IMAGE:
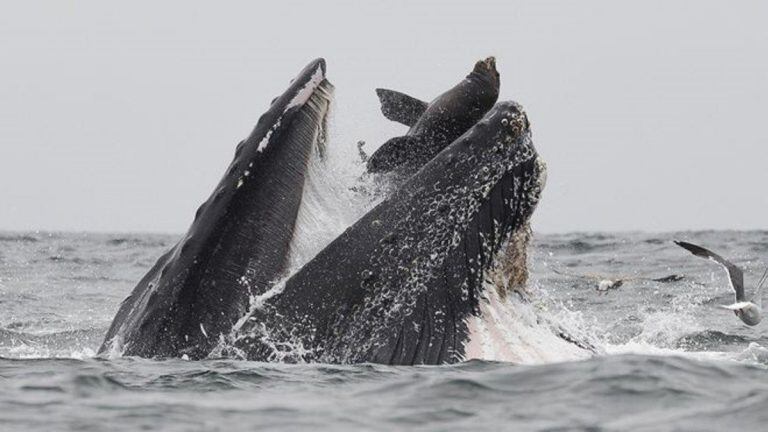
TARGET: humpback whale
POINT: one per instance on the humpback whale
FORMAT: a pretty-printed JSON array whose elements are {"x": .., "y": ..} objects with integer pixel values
[
  {"x": 401, "y": 285},
  {"x": 239, "y": 240},
  {"x": 436, "y": 124}
]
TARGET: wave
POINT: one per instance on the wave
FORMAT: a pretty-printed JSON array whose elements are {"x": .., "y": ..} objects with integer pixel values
[
  {"x": 709, "y": 340},
  {"x": 149, "y": 241},
  {"x": 77, "y": 343},
  {"x": 621, "y": 392},
  {"x": 19, "y": 238}
]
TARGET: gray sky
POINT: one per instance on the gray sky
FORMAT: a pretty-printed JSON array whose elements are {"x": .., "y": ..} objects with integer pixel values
[{"x": 123, "y": 116}]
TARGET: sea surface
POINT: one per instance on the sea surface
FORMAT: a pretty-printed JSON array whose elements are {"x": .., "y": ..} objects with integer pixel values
[{"x": 667, "y": 357}]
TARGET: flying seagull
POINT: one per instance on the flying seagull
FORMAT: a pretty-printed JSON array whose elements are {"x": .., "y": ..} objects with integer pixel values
[
  {"x": 749, "y": 311},
  {"x": 604, "y": 284}
]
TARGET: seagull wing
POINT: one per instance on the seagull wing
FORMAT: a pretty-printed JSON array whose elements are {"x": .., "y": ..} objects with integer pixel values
[
  {"x": 758, "y": 298},
  {"x": 736, "y": 306},
  {"x": 734, "y": 273}
]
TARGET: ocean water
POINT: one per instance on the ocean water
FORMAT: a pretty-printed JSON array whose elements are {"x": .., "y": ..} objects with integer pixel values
[{"x": 667, "y": 358}]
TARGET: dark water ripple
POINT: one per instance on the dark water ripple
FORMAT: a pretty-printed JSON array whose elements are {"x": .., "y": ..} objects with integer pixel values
[{"x": 627, "y": 392}]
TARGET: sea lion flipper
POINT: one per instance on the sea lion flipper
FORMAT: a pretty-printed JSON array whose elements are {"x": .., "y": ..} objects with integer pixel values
[
  {"x": 394, "y": 153},
  {"x": 400, "y": 107}
]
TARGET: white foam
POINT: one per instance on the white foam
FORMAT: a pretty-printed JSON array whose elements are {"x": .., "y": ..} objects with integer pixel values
[
  {"x": 664, "y": 328},
  {"x": 256, "y": 302},
  {"x": 754, "y": 353},
  {"x": 512, "y": 330},
  {"x": 32, "y": 351},
  {"x": 116, "y": 347}
]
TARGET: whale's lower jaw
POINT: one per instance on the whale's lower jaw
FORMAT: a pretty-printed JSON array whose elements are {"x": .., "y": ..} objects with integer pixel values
[{"x": 239, "y": 240}]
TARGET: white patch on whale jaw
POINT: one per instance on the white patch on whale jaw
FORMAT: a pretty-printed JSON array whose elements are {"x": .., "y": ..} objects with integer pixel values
[
  {"x": 511, "y": 329},
  {"x": 265, "y": 141},
  {"x": 308, "y": 90}
]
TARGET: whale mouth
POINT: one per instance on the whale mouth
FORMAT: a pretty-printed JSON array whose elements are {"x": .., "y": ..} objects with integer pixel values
[
  {"x": 317, "y": 108},
  {"x": 295, "y": 142},
  {"x": 499, "y": 231},
  {"x": 506, "y": 184},
  {"x": 398, "y": 285},
  {"x": 475, "y": 227}
]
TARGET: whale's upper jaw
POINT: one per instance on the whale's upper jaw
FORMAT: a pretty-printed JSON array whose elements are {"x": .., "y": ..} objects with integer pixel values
[{"x": 506, "y": 181}]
